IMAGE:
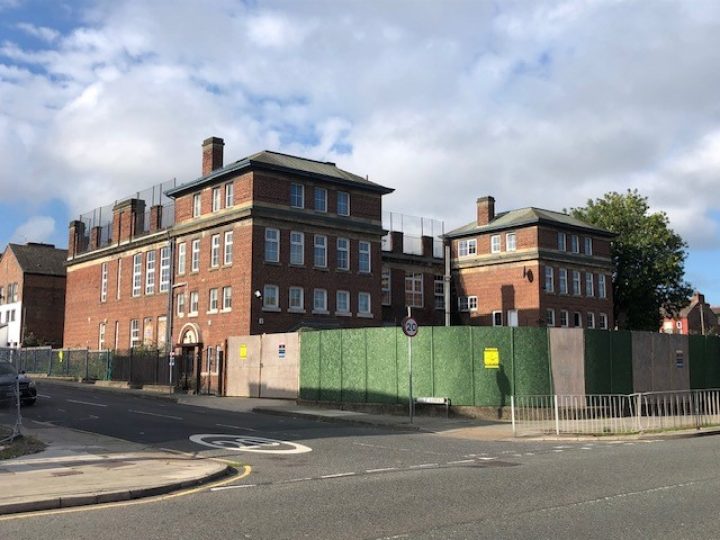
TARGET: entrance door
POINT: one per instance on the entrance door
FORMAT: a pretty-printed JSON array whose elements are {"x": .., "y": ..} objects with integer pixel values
[{"x": 189, "y": 369}]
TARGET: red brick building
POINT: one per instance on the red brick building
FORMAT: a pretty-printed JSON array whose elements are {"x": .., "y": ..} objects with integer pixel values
[
  {"x": 697, "y": 318},
  {"x": 269, "y": 243},
  {"x": 530, "y": 267},
  {"x": 32, "y": 294}
]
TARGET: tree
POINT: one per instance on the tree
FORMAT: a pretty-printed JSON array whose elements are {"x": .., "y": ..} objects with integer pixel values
[{"x": 648, "y": 258}]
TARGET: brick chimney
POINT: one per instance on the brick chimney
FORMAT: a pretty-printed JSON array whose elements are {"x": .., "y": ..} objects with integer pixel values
[
  {"x": 485, "y": 210},
  {"x": 212, "y": 157}
]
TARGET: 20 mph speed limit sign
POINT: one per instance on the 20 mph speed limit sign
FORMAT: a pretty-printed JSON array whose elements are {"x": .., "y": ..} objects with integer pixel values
[{"x": 410, "y": 327}]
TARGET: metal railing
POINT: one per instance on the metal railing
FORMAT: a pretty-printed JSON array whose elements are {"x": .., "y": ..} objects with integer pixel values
[{"x": 615, "y": 414}]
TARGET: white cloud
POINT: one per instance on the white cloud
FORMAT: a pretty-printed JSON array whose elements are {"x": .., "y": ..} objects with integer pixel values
[
  {"x": 41, "y": 32},
  {"x": 36, "y": 229}
]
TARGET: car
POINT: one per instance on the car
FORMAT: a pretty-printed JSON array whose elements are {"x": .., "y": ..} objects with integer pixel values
[{"x": 9, "y": 379}]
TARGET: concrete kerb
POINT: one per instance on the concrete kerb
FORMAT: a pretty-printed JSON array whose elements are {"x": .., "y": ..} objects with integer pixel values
[
  {"x": 122, "y": 388},
  {"x": 307, "y": 415}
]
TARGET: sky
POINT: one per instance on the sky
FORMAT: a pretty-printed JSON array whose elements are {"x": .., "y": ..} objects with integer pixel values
[{"x": 537, "y": 103}]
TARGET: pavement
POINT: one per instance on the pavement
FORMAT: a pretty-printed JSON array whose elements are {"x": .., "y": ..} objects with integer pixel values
[{"x": 81, "y": 468}]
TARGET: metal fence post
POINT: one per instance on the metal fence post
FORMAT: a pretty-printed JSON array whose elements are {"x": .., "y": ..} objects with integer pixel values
[
  {"x": 512, "y": 414},
  {"x": 557, "y": 415},
  {"x": 639, "y": 412}
]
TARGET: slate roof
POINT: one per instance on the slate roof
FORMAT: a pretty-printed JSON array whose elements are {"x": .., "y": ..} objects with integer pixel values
[
  {"x": 284, "y": 163},
  {"x": 43, "y": 259},
  {"x": 527, "y": 216}
]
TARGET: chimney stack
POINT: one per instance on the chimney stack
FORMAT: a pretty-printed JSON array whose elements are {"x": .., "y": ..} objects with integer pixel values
[
  {"x": 212, "y": 158},
  {"x": 485, "y": 210}
]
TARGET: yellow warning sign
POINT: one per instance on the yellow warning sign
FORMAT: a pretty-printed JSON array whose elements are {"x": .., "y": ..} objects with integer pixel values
[
  {"x": 243, "y": 352},
  {"x": 491, "y": 358}
]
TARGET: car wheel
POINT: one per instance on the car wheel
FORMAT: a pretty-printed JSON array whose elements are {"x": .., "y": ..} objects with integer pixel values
[{"x": 29, "y": 402}]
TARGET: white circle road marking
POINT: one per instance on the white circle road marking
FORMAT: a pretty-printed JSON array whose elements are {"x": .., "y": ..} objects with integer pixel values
[{"x": 245, "y": 443}]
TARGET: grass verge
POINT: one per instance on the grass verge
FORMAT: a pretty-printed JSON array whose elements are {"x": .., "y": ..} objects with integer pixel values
[{"x": 20, "y": 446}]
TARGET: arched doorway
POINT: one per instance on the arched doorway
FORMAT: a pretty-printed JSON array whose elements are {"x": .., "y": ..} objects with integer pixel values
[{"x": 190, "y": 353}]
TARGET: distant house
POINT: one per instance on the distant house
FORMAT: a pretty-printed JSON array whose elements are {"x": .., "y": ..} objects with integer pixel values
[
  {"x": 695, "y": 318},
  {"x": 531, "y": 267},
  {"x": 32, "y": 294}
]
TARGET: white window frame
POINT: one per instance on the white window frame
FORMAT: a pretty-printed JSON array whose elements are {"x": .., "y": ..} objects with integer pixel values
[
  {"x": 216, "y": 199},
  {"x": 562, "y": 241},
  {"x": 603, "y": 325},
  {"x": 180, "y": 304},
  {"x": 346, "y": 296},
  {"x": 297, "y": 248},
  {"x": 577, "y": 319},
  {"x": 150, "y": 272},
  {"x": 272, "y": 245},
  {"x": 194, "y": 307},
  {"x": 340, "y": 196},
  {"x": 439, "y": 291},
  {"x": 550, "y": 317},
  {"x": 197, "y": 205},
  {"x": 574, "y": 243},
  {"x": 228, "y": 247},
  {"x": 294, "y": 195},
  {"x": 101, "y": 336},
  {"x": 495, "y": 243},
  {"x": 362, "y": 296},
  {"x": 602, "y": 286},
  {"x": 416, "y": 290},
  {"x": 215, "y": 251},
  {"x": 320, "y": 301},
  {"x": 342, "y": 255},
  {"x": 195, "y": 256},
  {"x": 164, "y": 269},
  {"x": 549, "y": 279},
  {"x": 229, "y": 195},
  {"x": 227, "y": 298},
  {"x": 320, "y": 199},
  {"x": 213, "y": 300},
  {"x": 386, "y": 286},
  {"x": 564, "y": 315},
  {"x": 271, "y": 298},
  {"x": 590, "y": 317},
  {"x": 467, "y": 303},
  {"x": 320, "y": 251},
  {"x": 589, "y": 284},
  {"x": 137, "y": 275},
  {"x": 467, "y": 248},
  {"x": 296, "y": 299},
  {"x": 364, "y": 257},
  {"x": 119, "y": 279},
  {"x": 134, "y": 332},
  {"x": 588, "y": 248},
  {"x": 563, "y": 281},
  {"x": 576, "y": 283},
  {"x": 510, "y": 242},
  {"x": 103, "y": 282},
  {"x": 495, "y": 315},
  {"x": 182, "y": 258}
]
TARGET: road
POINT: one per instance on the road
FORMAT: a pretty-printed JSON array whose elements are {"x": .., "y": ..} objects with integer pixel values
[{"x": 363, "y": 482}]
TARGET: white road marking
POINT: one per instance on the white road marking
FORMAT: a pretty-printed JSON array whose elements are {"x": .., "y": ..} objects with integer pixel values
[
  {"x": 155, "y": 414},
  {"x": 381, "y": 470},
  {"x": 461, "y": 461},
  {"x": 93, "y": 417},
  {"x": 86, "y": 403},
  {"x": 235, "y": 427},
  {"x": 423, "y": 466},
  {"x": 339, "y": 475},
  {"x": 300, "y": 479},
  {"x": 222, "y": 488},
  {"x": 44, "y": 395},
  {"x": 487, "y": 458},
  {"x": 248, "y": 443}
]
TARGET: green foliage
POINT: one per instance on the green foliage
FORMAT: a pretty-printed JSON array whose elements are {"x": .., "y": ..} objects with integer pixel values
[{"x": 648, "y": 257}]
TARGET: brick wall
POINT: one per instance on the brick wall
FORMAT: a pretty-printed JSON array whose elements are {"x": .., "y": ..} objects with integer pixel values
[{"x": 44, "y": 308}]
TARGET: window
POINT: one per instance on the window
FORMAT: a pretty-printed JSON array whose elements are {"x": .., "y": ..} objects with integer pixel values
[
  {"x": 576, "y": 282},
  {"x": 603, "y": 321},
  {"x": 512, "y": 317},
  {"x": 510, "y": 242},
  {"x": 563, "y": 317},
  {"x": 215, "y": 251},
  {"x": 439, "y": 289},
  {"x": 228, "y": 249},
  {"x": 602, "y": 291},
  {"x": 101, "y": 336},
  {"x": 467, "y": 303},
  {"x": 562, "y": 241},
  {"x": 195, "y": 256},
  {"x": 589, "y": 284},
  {"x": 297, "y": 195},
  {"x": 364, "y": 304},
  {"x": 297, "y": 248},
  {"x": 414, "y": 289},
  {"x": 342, "y": 302},
  {"x": 148, "y": 331},
  {"x": 103, "y": 282},
  {"x": 150, "y": 272},
  {"x": 467, "y": 248},
  {"x": 194, "y": 302},
  {"x": 197, "y": 201},
  {"x": 319, "y": 301},
  {"x": 497, "y": 318},
  {"x": 364, "y": 257},
  {"x": 590, "y": 320},
  {"x": 227, "y": 298},
  {"x": 229, "y": 195},
  {"x": 495, "y": 243},
  {"x": 562, "y": 281},
  {"x": 272, "y": 245},
  {"x": 182, "y": 256},
  {"x": 588, "y": 246},
  {"x": 296, "y": 302},
  {"x": 119, "y": 276},
  {"x": 2, "y": 295},
  {"x": 14, "y": 294},
  {"x": 180, "y": 303},
  {"x": 550, "y": 317},
  {"x": 165, "y": 269},
  {"x": 577, "y": 319},
  {"x": 343, "y": 203},
  {"x": 320, "y": 251},
  {"x": 134, "y": 332},
  {"x": 137, "y": 274},
  {"x": 216, "y": 199},
  {"x": 270, "y": 297},
  {"x": 385, "y": 285},
  {"x": 343, "y": 254},
  {"x": 320, "y": 199},
  {"x": 161, "y": 332},
  {"x": 213, "y": 301},
  {"x": 574, "y": 244},
  {"x": 549, "y": 279}
]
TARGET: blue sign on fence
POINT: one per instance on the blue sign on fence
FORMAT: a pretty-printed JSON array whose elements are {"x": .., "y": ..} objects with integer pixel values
[{"x": 281, "y": 350}]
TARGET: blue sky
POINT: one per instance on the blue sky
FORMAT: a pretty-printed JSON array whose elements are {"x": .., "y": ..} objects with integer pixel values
[{"x": 537, "y": 103}]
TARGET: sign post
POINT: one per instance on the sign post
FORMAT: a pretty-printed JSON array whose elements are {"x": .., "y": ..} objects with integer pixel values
[{"x": 410, "y": 329}]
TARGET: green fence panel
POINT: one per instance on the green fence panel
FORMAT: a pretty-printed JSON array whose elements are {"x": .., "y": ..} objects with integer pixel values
[
  {"x": 354, "y": 365},
  {"x": 330, "y": 365},
  {"x": 493, "y": 386},
  {"x": 422, "y": 358},
  {"x": 453, "y": 364},
  {"x": 310, "y": 366},
  {"x": 697, "y": 363},
  {"x": 532, "y": 362},
  {"x": 598, "y": 362},
  {"x": 622, "y": 364},
  {"x": 382, "y": 378},
  {"x": 712, "y": 361}
]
